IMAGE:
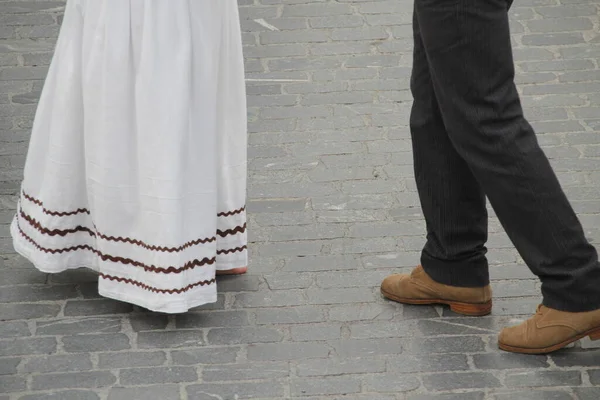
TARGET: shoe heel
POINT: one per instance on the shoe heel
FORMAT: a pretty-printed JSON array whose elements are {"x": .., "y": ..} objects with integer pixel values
[
  {"x": 474, "y": 310},
  {"x": 595, "y": 335}
]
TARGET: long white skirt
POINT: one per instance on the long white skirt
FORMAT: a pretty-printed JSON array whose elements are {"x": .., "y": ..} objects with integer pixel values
[{"x": 137, "y": 161}]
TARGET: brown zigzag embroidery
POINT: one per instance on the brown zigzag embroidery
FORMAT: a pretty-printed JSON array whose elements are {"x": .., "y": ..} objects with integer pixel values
[
  {"x": 236, "y": 230},
  {"x": 154, "y": 289},
  {"x": 229, "y": 251},
  {"x": 157, "y": 248},
  {"x": 55, "y": 213},
  {"x": 127, "y": 261},
  {"x": 65, "y": 232},
  {"x": 230, "y": 213},
  {"x": 55, "y": 232}
]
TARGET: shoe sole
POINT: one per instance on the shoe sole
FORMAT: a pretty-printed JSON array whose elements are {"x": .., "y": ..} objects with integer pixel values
[
  {"x": 594, "y": 334},
  {"x": 470, "y": 309}
]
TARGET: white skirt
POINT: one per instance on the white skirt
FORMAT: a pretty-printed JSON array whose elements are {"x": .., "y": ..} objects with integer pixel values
[{"x": 137, "y": 161}]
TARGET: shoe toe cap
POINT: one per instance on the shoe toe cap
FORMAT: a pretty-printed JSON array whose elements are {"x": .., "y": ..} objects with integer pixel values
[
  {"x": 514, "y": 336},
  {"x": 392, "y": 283}
]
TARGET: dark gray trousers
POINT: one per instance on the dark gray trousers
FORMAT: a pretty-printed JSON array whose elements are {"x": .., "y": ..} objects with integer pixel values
[{"x": 470, "y": 140}]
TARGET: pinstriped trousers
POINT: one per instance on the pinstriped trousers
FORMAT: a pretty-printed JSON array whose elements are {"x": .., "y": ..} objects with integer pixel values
[{"x": 471, "y": 141}]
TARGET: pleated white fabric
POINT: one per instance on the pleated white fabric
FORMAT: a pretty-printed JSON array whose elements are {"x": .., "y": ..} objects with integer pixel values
[{"x": 137, "y": 161}]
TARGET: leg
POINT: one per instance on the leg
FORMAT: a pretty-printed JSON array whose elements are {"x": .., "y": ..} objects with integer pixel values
[
  {"x": 469, "y": 51},
  {"x": 452, "y": 200}
]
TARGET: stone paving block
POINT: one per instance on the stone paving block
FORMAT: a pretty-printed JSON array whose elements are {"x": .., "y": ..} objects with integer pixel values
[
  {"x": 518, "y": 306},
  {"x": 8, "y": 366},
  {"x": 355, "y": 396},
  {"x": 382, "y": 329},
  {"x": 169, "y": 339},
  {"x": 245, "y": 283},
  {"x": 289, "y": 249},
  {"x": 229, "y": 336},
  {"x": 339, "y": 295},
  {"x": 148, "y": 322},
  {"x": 231, "y": 391},
  {"x": 534, "y": 395},
  {"x": 16, "y": 347},
  {"x": 310, "y": 332},
  {"x": 449, "y": 396},
  {"x": 559, "y": 24},
  {"x": 294, "y": 280},
  {"x": 212, "y": 355},
  {"x": 350, "y": 279},
  {"x": 28, "y": 311},
  {"x": 363, "y": 312},
  {"x": 57, "y": 363},
  {"x": 418, "y": 312},
  {"x": 34, "y": 60},
  {"x": 279, "y": 298},
  {"x": 396, "y": 383},
  {"x": 131, "y": 359},
  {"x": 321, "y": 263},
  {"x": 78, "y": 325},
  {"x": 504, "y": 289},
  {"x": 325, "y": 386},
  {"x": 211, "y": 319},
  {"x": 466, "y": 380},
  {"x": 520, "y": 272},
  {"x": 428, "y": 363},
  {"x": 162, "y": 392},
  {"x": 553, "y": 39},
  {"x": 11, "y": 383},
  {"x": 10, "y": 329},
  {"x": 92, "y": 379},
  {"x": 149, "y": 376},
  {"x": 339, "y": 367},
  {"x": 587, "y": 393},
  {"x": 287, "y": 219},
  {"x": 451, "y": 344},
  {"x": 21, "y": 276},
  {"x": 63, "y": 395},
  {"x": 577, "y": 358},
  {"x": 218, "y": 305},
  {"x": 287, "y": 351},
  {"x": 445, "y": 327},
  {"x": 351, "y": 348},
  {"x": 94, "y": 343},
  {"x": 290, "y": 315},
  {"x": 243, "y": 372},
  {"x": 509, "y": 361},
  {"x": 594, "y": 376},
  {"x": 543, "y": 378},
  {"x": 96, "y": 307}
]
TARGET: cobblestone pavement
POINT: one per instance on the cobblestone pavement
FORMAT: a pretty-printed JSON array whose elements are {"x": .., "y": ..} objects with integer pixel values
[{"x": 333, "y": 210}]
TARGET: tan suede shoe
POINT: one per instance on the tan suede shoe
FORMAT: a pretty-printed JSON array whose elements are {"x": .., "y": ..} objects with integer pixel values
[
  {"x": 550, "y": 330},
  {"x": 419, "y": 288}
]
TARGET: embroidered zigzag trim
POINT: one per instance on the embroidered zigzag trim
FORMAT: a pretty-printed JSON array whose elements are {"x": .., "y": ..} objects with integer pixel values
[
  {"x": 228, "y": 232},
  {"x": 157, "y": 248},
  {"x": 64, "y": 232},
  {"x": 55, "y": 213},
  {"x": 54, "y": 232},
  {"x": 230, "y": 251},
  {"x": 157, "y": 290},
  {"x": 230, "y": 213},
  {"x": 126, "y": 261}
]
